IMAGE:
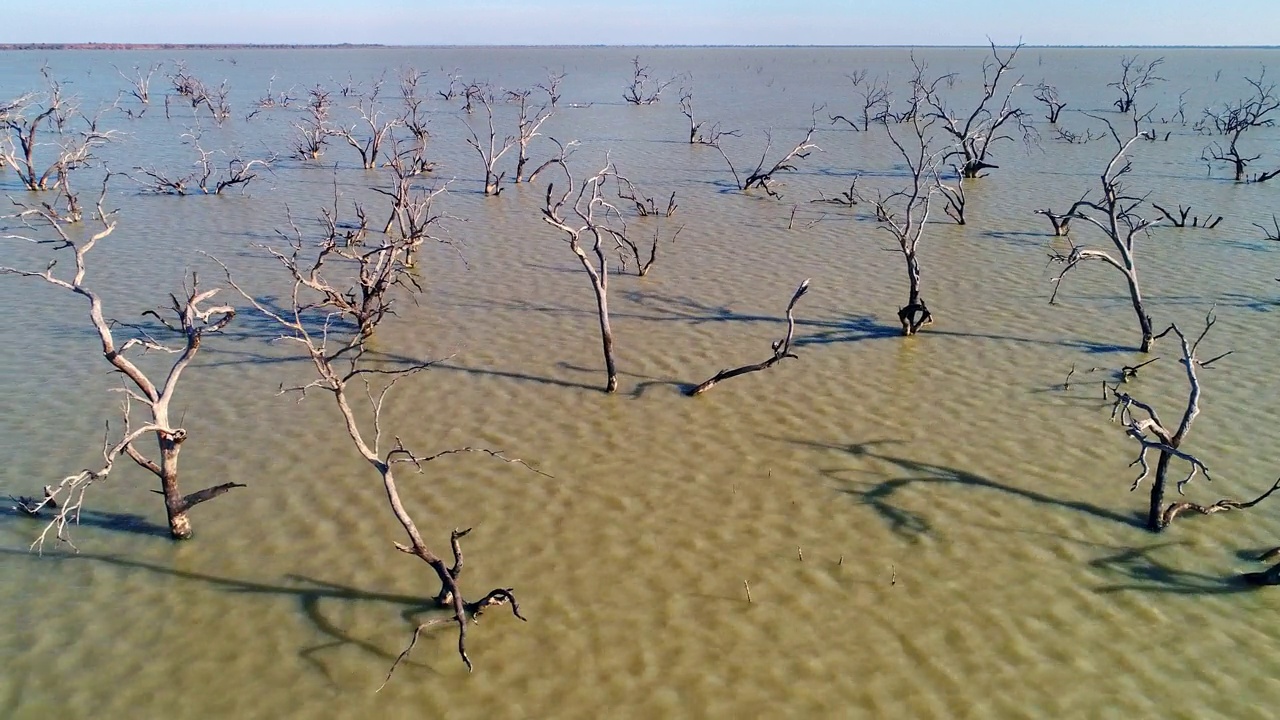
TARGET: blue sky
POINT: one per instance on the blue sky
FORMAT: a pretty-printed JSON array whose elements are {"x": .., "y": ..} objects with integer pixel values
[{"x": 647, "y": 22}]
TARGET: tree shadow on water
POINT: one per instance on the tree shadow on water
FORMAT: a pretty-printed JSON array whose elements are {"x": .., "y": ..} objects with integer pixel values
[
  {"x": 883, "y": 496},
  {"x": 101, "y": 519},
  {"x": 311, "y": 595},
  {"x": 1141, "y": 571}
]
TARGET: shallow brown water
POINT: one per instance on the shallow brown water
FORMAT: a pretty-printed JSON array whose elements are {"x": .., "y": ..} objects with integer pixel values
[{"x": 970, "y": 547}]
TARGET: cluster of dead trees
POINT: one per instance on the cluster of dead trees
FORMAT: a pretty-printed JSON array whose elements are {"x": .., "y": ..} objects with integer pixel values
[{"x": 346, "y": 277}]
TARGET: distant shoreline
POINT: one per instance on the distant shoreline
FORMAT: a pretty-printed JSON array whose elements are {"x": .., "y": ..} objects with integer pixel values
[
  {"x": 380, "y": 46},
  {"x": 182, "y": 46}
]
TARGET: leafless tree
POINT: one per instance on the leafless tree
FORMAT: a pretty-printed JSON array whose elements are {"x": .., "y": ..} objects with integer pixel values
[
  {"x": 1235, "y": 118},
  {"x": 491, "y": 149},
  {"x": 1116, "y": 215},
  {"x": 192, "y": 319},
  {"x": 646, "y": 207},
  {"x": 473, "y": 93},
  {"x": 1270, "y": 233},
  {"x": 781, "y": 349},
  {"x": 1180, "y": 220},
  {"x": 1134, "y": 76},
  {"x": 343, "y": 371},
  {"x": 1062, "y": 221},
  {"x": 644, "y": 204},
  {"x": 200, "y": 94},
  {"x": 644, "y": 89},
  {"x": 975, "y": 133},
  {"x": 847, "y": 198},
  {"x": 528, "y": 123},
  {"x": 29, "y": 118},
  {"x": 273, "y": 99},
  {"x": 1073, "y": 138},
  {"x": 140, "y": 81},
  {"x": 209, "y": 177},
  {"x": 413, "y": 213},
  {"x": 372, "y": 130},
  {"x": 904, "y": 213},
  {"x": 1142, "y": 423},
  {"x": 314, "y": 130},
  {"x": 589, "y": 222},
  {"x": 414, "y": 118},
  {"x": 762, "y": 177},
  {"x": 455, "y": 82},
  {"x": 876, "y": 99},
  {"x": 552, "y": 86},
  {"x": 954, "y": 196},
  {"x": 1048, "y": 94},
  {"x": 699, "y": 132}
]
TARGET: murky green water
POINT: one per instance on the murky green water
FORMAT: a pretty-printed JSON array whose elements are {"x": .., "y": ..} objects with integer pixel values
[{"x": 969, "y": 544}]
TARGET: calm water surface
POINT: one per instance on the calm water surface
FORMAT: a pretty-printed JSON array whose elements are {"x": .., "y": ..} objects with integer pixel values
[{"x": 970, "y": 547}]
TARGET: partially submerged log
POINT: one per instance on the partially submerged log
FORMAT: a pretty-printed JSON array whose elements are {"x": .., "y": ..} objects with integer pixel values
[{"x": 781, "y": 349}]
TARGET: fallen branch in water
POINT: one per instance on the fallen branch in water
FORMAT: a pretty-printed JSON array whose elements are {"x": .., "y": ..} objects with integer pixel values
[{"x": 781, "y": 349}]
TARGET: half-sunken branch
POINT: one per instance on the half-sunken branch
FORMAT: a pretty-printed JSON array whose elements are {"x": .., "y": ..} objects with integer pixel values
[{"x": 781, "y": 349}]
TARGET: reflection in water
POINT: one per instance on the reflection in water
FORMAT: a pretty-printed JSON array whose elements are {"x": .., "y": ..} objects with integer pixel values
[{"x": 930, "y": 527}]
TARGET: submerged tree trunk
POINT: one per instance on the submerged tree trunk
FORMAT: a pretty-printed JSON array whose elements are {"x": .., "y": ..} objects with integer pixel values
[
  {"x": 1144, "y": 320},
  {"x": 1155, "y": 512},
  {"x": 915, "y": 314},
  {"x": 175, "y": 504},
  {"x": 606, "y": 331}
]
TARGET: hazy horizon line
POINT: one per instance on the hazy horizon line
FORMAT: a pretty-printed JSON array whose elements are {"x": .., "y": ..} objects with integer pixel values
[{"x": 250, "y": 45}]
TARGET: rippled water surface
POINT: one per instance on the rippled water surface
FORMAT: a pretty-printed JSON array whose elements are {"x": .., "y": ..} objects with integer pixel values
[{"x": 930, "y": 527}]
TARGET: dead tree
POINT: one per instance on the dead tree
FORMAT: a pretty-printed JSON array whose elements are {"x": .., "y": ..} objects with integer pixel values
[
  {"x": 876, "y": 99},
  {"x": 139, "y": 82},
  {"x": 1062, "y": 221},
  {"x": 451, "y": 91},
  {"x": 1180, "y": 220},
  {"x": 187, "y": 85},
  {"x": 761, "y": 177},
  {"x": 208, "y": 177},
  {"x": 1270, "y": 233},
  {"x": 1134, "y": 77},
  {"x": 954, "y": 195},
  {"x": 413, "y": 214},
  {"x": 1116, "y": 215},
  {"x": 413, "y": 117},
  {"x": 530, "y": 120},
  {"x": 31, "y": 118},
  {"x": 1071, "y": 137},
  {"x": 191, "y": 320},
  {"x": 314, "y": 129},
  {"x": 644, "y": 90},
  {"x": 272, "y": 99},
  {"x": 338, "y": 359},
  {"x": 1234, "y": 119},
  {"x": 1048, "y": 94},
  {"x": 1143, "y": 424},
  {"x": 699, "y": 132},
  {"x": 587, "y": 233},
  {"x": 552, "y": 86},
  {"x": 781, "y": 349},
  {"x": 904, "y": 213},
  {"x": 490, "y": 150},
  {"x": 375, "y": 127},
  {"x": 975, "y": 133},
  {"x": 645, "y": 207},
  {"x": 847, "y": 198}
]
